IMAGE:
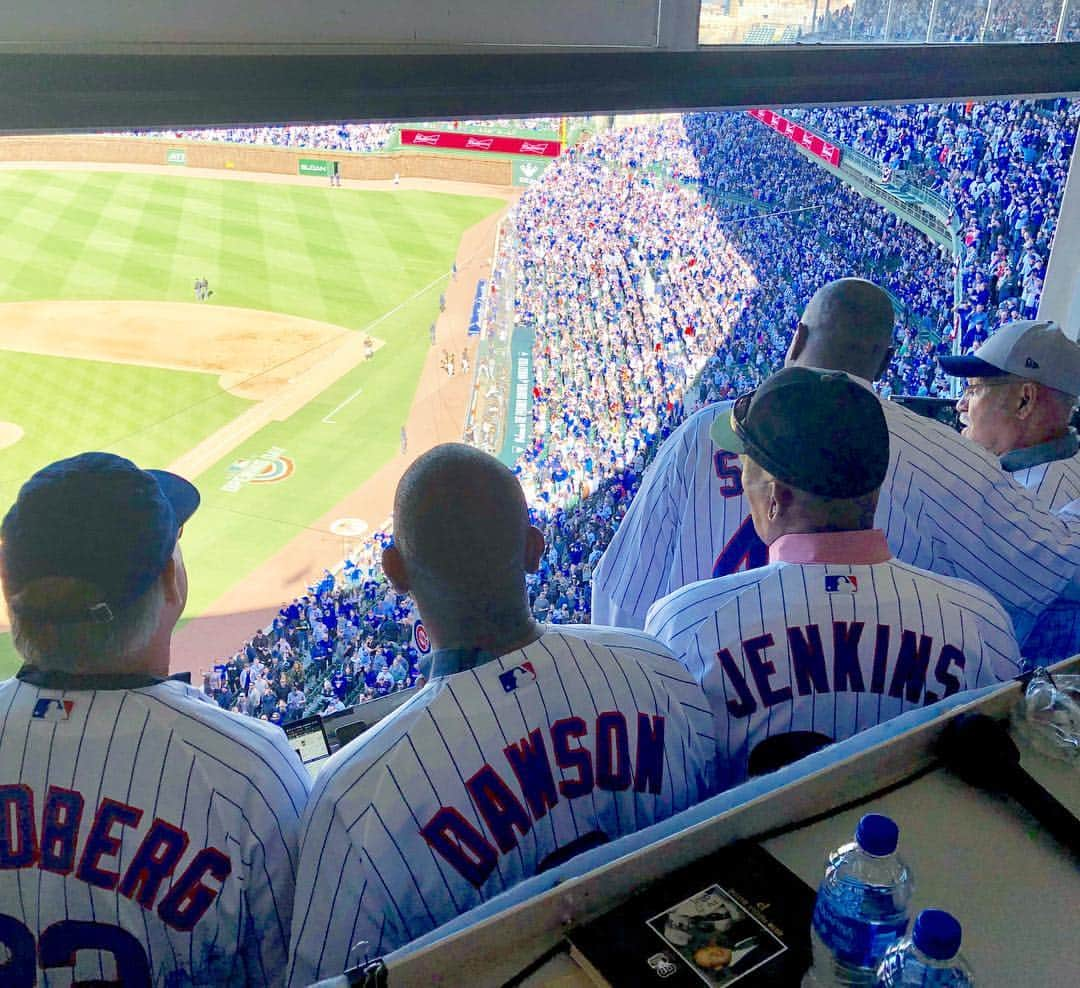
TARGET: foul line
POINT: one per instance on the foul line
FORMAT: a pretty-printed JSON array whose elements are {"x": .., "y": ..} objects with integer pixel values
[{"x": 329, "y": 419}]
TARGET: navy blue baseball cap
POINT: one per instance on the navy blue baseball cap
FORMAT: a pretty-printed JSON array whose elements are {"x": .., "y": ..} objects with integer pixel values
[{"x": 96, "y": 518}]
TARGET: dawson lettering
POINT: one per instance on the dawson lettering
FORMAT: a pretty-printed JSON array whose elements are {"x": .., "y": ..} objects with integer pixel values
[{"x": 569, "y": 760}]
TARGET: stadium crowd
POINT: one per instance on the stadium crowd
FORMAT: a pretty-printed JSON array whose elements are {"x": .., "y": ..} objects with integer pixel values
[
  {"x": 315, "y": 137},
  {"x": 956, "y": 21},
  {"x": 662, "y": 267},
  {"x": 347, "y": 640},
  {"x": 1000, "y": 165}
]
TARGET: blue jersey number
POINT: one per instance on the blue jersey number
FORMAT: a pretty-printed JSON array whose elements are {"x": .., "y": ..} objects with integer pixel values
[
  {"x": 60, "y": 943},
  {"x": 744, "y": 550}
]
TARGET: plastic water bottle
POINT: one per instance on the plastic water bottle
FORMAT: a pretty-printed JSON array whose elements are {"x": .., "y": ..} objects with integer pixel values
[
  {"x": 929, "y": 958},
  {"x": 861, "y": 908}
]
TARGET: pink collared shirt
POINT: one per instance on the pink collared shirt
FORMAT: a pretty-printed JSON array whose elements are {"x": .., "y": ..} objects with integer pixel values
[{"x": 857, "y": 548}]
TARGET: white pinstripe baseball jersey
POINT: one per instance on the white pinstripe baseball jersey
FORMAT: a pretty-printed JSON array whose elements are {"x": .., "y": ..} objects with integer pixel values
[
  {"x": 147, "y": 835},
  {"x": 946, "y": 506},
  {"x": 1055, "y": 484},
  {"x": 832, "y": 648},
  {"x": 475, "y": 783}
]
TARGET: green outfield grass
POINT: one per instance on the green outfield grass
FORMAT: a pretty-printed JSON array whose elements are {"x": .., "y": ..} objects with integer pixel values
[{"x": 336, "y": 255}]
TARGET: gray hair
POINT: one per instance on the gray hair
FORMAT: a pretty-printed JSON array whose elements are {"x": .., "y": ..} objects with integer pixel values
[{"x": 94, "y": 645}]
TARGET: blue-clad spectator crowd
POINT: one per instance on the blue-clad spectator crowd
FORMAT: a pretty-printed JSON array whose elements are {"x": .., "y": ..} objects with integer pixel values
[
  {"x": 350, "y": 638},
  {"x": 1002, "y": 166}
]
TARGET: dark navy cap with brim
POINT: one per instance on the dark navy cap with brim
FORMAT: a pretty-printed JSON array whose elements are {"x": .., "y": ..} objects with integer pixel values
[{"x": 96, "y": 519}]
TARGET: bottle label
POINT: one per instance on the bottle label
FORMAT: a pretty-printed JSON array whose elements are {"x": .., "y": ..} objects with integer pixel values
[{"x": 854, "y": 940}]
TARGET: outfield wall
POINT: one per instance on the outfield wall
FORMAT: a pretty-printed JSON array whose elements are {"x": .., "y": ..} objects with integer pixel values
[{"x": 248, "y": 158}]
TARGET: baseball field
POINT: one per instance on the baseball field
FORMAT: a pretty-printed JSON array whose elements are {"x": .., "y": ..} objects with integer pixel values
[{"x": 282, "y": 395}]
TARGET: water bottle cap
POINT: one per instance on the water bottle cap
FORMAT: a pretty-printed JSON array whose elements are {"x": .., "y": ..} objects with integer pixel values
[
  {"x": 877, "y": 834},
  {"x": 936, "y": 934}
]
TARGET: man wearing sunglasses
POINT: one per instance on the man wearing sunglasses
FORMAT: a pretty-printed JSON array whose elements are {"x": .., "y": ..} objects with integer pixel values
[
  {"x": 834, "y": 635},
  {"x": 146, "y": 836}
]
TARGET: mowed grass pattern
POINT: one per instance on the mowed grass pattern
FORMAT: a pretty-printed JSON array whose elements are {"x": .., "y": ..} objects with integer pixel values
[
  {"x": 335, "y": 255},
  {"x": 66, "y": 406},
  {"x": 340, "y": 256}
]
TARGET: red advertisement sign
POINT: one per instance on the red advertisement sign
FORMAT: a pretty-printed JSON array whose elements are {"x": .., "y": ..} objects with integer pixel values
[
  {"x": 817, "y": 146},
  {"x": 482, "y": 143}
]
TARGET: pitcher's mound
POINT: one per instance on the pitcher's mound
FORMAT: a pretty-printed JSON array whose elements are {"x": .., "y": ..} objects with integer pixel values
[{"x": 10, "y": 434}]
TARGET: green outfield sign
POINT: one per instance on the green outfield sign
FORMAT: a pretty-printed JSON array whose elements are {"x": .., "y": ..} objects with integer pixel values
[
  {"x": 316, "y": 166},
  {"x": 519, "y": 414},
  {"x": 176, "y": 156},
  {"x": 529, "y": 172}
]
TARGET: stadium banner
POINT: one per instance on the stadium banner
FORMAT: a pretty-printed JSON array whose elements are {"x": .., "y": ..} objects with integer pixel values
[
  {"x": 817, "y": 146},
  {"x": 176, "y": 156},
  {"x": 316, "y": 166},
  {"x": 519, "y": 410},
  {"x": 481, "y": 143},
  {"x": 528, "y": 172}
]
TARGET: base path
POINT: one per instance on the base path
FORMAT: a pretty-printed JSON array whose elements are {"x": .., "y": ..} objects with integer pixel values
[{"x": 437, "y": 415}]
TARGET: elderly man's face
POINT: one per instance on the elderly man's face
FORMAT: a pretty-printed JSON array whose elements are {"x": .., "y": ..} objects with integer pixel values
[{"x": 988, "y": 413}]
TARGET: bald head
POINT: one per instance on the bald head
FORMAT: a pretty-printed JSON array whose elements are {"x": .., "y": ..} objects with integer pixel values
[
  {"x": 847, "y": 326},
  {"x": 461, "y": 524}
]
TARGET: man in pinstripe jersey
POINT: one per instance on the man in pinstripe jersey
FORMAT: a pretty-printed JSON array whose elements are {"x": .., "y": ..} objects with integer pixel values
[
  {"x": 146, "y": 837},
  {"x": 834, "y": 635},
  {"x": 530, "y": 742},
  {"x": 1022, "y": 389},
  {"x": 1018, "y": 404},
  {"x": 946, "y": 505}
]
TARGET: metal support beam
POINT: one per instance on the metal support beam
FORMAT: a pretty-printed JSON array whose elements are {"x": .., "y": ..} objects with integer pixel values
[{"x": 44, "y": 92}]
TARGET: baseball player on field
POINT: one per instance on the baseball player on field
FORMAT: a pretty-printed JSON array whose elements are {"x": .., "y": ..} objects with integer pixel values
[
  {"x": 528, "y": 744},
  {"x": 945, "y": 505},
  {"x": 146, "y": 836},
  {"x": 1022, "y": 387},
  {"x": 834, "y": 635}
]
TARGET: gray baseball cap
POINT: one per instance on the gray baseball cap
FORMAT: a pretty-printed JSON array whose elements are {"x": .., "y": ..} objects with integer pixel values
[{"x": 1036, "y": 351}]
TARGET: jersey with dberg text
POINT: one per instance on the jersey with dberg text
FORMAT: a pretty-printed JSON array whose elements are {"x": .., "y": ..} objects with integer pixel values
[
  {"x": 946, "y": 505},
  {"x": 829, "y": 648},
  {"x": 486, "y": 776},
  {"x": 146, "y": 837}
]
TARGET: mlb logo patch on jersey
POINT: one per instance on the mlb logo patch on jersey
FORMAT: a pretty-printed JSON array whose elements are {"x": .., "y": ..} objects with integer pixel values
[
  {"x": 519, "y": 676},
  {"x": 841, "y": 584},
  {"x": 53, "y": 709}
]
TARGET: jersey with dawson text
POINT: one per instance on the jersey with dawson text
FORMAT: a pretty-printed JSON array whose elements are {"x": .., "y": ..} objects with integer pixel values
[
  {"x": 146, "y": 836},
  {"x": 484, "y": 777}
]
